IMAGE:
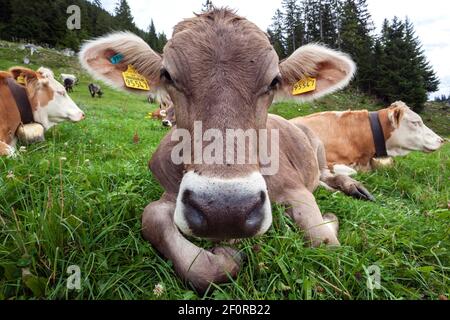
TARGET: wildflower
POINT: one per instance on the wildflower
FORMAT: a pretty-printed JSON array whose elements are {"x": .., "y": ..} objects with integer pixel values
[
  {"x": 23, "y": 149},
  {"x": 159, "y": 290},
  {"x": 262, "y": 266},
  {"x": 10, "y": 175},
  {"x": 63, "y": 159}
]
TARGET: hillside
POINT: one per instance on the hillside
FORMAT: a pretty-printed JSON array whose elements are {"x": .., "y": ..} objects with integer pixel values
[{"x": 77, "y": 199}]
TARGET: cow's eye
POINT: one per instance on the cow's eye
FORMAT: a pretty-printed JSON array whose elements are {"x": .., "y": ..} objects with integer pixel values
[
  {"x": 166, "y": 75},
  {"x": 274, "y": 84}
]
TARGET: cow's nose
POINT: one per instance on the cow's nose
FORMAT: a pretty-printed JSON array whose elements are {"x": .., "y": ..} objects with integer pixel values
[
  {"x": 83, "y": 116},
  {"x": 224, "y": 216}
]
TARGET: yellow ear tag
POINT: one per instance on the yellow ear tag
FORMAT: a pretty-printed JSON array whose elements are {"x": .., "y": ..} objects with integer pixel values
[
  {"x": 21, "y": 80},
  {"x": 134, "y": 80},
  {"x": 303, "y": 86}
]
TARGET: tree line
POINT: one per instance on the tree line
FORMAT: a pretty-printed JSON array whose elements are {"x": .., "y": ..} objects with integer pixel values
[
  {"x": 44, "y": 22},
  {"x": 391, "y": 65}
]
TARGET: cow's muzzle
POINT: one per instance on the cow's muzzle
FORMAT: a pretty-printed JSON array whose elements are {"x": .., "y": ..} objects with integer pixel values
[{"x": 223, "y": 209}]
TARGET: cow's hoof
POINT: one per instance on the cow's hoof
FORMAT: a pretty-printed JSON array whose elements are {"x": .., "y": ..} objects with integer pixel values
[
  {"x": 222, "y": 265},
  {"x": 358, "y": 191},
  {"x": 237, "y": 256}
]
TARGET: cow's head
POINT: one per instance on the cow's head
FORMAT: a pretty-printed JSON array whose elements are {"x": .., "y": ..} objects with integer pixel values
[
  {"x": 169, "y": 119},
  {"x": 220, "y": 69},
  {"x": 49, "y": 100},
  {"x": 409, "y": 133}
]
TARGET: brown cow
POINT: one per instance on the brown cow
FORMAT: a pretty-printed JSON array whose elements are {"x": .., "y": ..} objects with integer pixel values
[
  {"x": 217, "y": 67},
  {"x": 38, "y": 99},
  {"x": 349, "y": 141},
  {"x": 170, "y": 119}
]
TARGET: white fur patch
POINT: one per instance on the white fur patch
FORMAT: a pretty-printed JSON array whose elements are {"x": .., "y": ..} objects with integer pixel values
[{"x": 344, "y": 170}]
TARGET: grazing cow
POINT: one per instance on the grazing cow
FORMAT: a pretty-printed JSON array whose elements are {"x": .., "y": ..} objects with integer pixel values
[
  {"x": 351, "y": 142},
  {"x": 39, "y": 98},
  {"x": 170, "y": 119},
  {"x": 216, "y": 68},
  {"x": 72, "y": 77},
  {"x": 68, "y": 85},
  {"x": 95, "y": 89}
]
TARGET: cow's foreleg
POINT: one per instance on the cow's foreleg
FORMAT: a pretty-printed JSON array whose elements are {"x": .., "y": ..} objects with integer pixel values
[
  {"x": 302, "y": 207},
  {"x": 339, "y": 182},
  {"x": 6, "y": 150},
  {"x": 195, "y": 265},
  {"x": 345, "y": 184}
]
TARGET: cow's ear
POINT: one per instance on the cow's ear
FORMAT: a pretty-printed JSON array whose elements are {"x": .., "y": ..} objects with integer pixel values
[
  {"x": 396, "y": 112},
  {"x": 28, "y": 74},
  {"x": 108, "y": 57},
  {"x": 313, "y": 71}
]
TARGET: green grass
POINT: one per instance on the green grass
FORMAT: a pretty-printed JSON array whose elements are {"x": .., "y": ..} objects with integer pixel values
[{"x": 77, "y": 199}]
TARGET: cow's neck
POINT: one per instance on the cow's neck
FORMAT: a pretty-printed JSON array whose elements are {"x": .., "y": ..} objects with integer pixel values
[
  {"x": 388, "y": 129},
  {"x": 20, "y": 96}
]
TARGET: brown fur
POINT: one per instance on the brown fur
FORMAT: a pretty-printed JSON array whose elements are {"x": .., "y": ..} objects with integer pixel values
[
  {"x": 347, "y": 136},
  {"x": 216, "y": 68},
  {"x": 38, "y": 91}
]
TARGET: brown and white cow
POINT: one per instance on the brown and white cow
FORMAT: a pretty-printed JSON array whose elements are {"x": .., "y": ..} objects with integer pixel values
[
  {"x": 40, "y": 99},
  {"x": 349, "y": 142},
  {"x": 216, "y": 68}
]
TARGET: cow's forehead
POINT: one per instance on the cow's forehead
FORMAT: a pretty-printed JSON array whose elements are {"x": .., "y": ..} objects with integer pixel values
[
  {"x": 411, "y": 115},
  {"x": 220, "y": 36}
]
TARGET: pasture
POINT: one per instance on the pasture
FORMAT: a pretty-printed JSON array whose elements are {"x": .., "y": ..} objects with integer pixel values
[{"x": 77, "y": 199}]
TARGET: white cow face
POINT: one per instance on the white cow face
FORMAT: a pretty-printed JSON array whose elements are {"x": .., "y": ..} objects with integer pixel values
[
  {"x": 49, "y": 99},
  {"x": 410, "y": 133},
  {"x": 61, "y": 107}
]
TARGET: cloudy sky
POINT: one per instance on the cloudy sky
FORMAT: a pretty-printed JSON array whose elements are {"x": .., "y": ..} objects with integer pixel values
[{"x": 431, "y": 19}]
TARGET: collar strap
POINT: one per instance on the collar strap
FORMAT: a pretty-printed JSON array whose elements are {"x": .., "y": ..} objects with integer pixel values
[
  {"x": 378, "y": 135},
  {"x": 23, "y": 104}
]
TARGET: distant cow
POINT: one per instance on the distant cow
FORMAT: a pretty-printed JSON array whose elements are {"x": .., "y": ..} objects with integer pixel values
[
  {"x": 349, "y": 139},
  {"x": 72, "y": 77},
  {"x": 95, "y": 89},
  {"x": 68, "y": 84},
  {"x": 169, "y": 120},
  {"x": 31, "y": 97}
]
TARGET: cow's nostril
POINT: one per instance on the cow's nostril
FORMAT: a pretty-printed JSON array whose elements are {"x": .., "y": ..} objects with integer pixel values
[
  {"x": 255, "y": 217},
  {"x": 194, "y": 216}
]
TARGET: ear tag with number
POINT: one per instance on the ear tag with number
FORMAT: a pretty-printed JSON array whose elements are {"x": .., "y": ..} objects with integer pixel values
[
  {"x": 134, "y": 80},
  {"x": 116, "y": 59},
  {"x": 21, "y": 80},
  {"x": 305, "y": 85}
]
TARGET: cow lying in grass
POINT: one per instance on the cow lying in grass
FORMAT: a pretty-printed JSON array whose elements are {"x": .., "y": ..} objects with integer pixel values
[
  {"x": 216, "y": 68},
  {"x": 349, "y": 142},
  {"x": 37, "y": 98}
]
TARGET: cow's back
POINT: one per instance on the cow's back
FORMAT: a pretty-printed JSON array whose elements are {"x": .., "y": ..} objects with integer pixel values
[
  {"x": 9, "y": 113},
  {"x": 346, "y": 135}
]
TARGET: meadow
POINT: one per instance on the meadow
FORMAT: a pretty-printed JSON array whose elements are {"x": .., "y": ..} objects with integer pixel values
[{"x": 77, "y": 199}]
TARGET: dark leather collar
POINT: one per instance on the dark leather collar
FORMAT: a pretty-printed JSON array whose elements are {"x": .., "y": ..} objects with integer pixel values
[
  {"x": 23, "y": 103},
  {"x": 378, "y": 135}
]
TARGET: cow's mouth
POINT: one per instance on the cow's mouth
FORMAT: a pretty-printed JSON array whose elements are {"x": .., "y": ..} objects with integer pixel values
[{"x": 429, "y": 150}]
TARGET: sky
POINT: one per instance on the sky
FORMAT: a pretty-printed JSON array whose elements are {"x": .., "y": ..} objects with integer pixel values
[{"x": 431, "y": 19}]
